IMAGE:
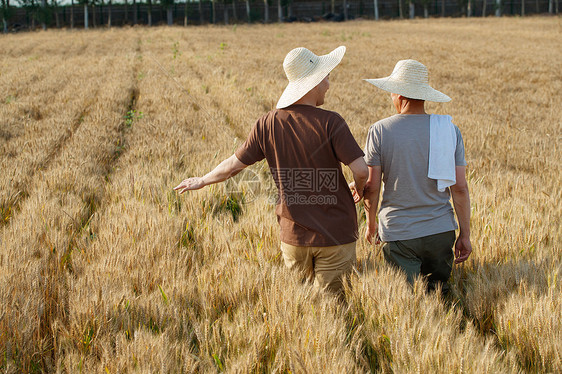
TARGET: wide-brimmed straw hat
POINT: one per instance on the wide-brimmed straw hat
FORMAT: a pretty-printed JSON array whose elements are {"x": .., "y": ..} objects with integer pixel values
[
  {"x": 305, "y": 70},
  {"x": 410, "y": 79}
]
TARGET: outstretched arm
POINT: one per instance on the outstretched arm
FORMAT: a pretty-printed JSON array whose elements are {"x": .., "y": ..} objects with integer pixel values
[
  {"x": 461, "y": 201},
  {"x": 226, "y": 169},
  {"x": 372, "y": 193}
]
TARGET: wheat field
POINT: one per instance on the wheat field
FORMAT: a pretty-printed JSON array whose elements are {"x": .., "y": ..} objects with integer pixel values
[{"x": 105, "y": 269}]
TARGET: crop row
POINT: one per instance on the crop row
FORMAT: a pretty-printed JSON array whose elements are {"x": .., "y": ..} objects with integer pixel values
[
  {"x": 39, "y": 241},
  {"x": 46, "y": 102}
]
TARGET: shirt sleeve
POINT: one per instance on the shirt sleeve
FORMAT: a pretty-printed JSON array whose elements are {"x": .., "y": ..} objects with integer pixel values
[
  {"x": 372, "y": 148},
  {"x": 345, "y": 147},
  {"x": 252, "y": 151},
  {"x": 459, "y": 151}
]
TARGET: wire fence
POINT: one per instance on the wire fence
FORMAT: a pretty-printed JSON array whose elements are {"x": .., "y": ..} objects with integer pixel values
[{"x": 102, "y": 14}]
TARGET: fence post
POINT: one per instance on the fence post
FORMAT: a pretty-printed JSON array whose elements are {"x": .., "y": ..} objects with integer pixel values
[{"x": 86, "y": 15}]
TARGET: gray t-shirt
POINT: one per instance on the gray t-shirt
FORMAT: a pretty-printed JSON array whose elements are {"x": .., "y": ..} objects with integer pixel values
[{"x": 411, "y": 205}]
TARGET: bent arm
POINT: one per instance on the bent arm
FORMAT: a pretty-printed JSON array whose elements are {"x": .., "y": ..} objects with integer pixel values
[
  {"x": 461, "y": 201},
  {"x": 371, "y": 198},
  {"x": 226, "y": 169},
  {"x": 360, "y": 174}
]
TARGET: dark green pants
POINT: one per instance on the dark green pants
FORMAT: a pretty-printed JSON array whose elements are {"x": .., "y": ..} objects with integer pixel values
[{"x": 430, "y": 256}]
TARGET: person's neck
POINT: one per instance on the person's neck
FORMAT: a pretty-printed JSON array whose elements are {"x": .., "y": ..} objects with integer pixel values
[
  {"x": 306, "y": 101},
  {"x": 412, "y": 108},
  {"x": 309, "y": 99}
]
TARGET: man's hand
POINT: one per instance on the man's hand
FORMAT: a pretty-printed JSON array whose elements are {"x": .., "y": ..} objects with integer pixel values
[
  {"x": 360, "y": 175},
  {"x": 226, "y": 169},
  {"x": 357, "y": 195},
  {"x": 461, "y": 201},
  {"x": 372, "y": 233},
  {"x": 463, "y": 249},
  {"x": 188, "y": 184}
]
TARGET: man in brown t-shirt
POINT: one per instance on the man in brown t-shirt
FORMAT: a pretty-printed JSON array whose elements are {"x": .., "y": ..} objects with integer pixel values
[{"x": 304, "y": 146}]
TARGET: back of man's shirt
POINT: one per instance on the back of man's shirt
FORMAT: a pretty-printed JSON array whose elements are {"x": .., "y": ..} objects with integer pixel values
[
  {"x": 304, "y": 146},
  {"x": 411, "y": 206}
]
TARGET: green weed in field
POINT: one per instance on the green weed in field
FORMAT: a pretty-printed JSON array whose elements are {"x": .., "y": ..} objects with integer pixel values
[
  {"x": 187, "y": 238},
  {"x": 164, "y": 296},
  {"x": 218, "y": 362},
  {"x": 88, "y": 338},
  {"x": 225, "y": 203},
  {"x": 175, "y": 50},
  {"x": 131, "y": 116}
]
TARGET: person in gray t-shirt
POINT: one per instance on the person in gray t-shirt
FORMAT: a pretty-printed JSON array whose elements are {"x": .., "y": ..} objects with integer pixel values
[{"x": 416, "y": 220}]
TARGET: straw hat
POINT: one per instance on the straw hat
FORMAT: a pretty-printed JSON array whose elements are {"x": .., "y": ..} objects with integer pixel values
[
  {"x": 410, "y": 79},
  {"x": 305, "y": 71}
]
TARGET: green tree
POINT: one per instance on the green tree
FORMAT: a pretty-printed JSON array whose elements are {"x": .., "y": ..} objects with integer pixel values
[
  {"x": 71, "y": 14},
  {"x": 400, "y": 10},
  {"x": 109, "y": 11},
  {"x": 169, "y": 6},
  {"x": 425, "y": 4},
  {"x": 31, "y": 11},
  {"x": 6, "y": 11},
  {"x": 93, "y": 5},
  {"x": 412, "y": 9},
  {"x": 43, "y": 14},
  {"x": 55, "y": 11},
  {"x": 126, "y": 3},
  {"x": 86, "y": 15}
]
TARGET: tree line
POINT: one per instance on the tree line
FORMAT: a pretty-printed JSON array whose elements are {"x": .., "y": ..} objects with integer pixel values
[{"x": 29, "y": 14}]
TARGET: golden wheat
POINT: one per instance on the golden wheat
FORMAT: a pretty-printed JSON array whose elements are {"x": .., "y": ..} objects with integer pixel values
[{"x": 103, "y": 268}]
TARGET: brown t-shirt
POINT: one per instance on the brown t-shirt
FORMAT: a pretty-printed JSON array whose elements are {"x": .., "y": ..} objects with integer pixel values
[{"x": 304, "y": 146}]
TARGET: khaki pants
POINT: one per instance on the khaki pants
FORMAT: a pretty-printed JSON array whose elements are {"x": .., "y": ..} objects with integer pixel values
[{"x": 325, "y": 266}]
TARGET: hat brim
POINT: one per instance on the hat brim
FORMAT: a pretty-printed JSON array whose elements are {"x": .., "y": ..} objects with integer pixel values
[
  {"x": 297, "y": 89},
  {"x": 410, "y": 90}
]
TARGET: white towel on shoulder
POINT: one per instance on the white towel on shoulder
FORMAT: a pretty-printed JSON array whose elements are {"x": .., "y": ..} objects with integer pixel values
[{"x": 442, "y": 146}]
